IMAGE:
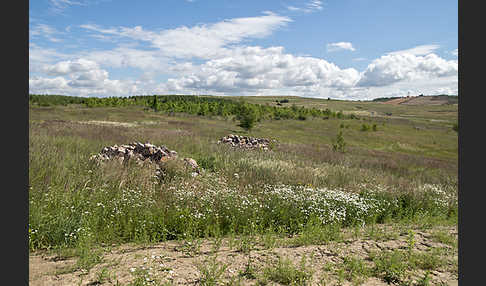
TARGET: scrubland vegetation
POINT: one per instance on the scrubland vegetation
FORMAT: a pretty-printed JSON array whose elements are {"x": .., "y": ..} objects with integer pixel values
[{"x": 330, "y": 174}]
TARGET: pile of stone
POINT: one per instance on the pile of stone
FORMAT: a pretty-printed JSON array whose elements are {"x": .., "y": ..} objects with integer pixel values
[
  {"x": 136, "y": 151},
  {"x": 246, "y": 142},
  {"x": 143, "y": 153}
]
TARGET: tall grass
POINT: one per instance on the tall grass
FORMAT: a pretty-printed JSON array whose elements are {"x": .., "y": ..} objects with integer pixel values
[{"x": 74, "y": 202}]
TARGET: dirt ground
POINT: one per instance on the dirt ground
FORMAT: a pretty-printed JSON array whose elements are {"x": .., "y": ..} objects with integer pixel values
[{"x": 177, "y": 263}]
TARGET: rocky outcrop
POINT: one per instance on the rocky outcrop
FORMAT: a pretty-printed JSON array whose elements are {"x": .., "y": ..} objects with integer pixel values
[
  {"x": 147, "y": 152},
  {"x": 135, "y": 151},
  {"x": 246, "y": 142}
]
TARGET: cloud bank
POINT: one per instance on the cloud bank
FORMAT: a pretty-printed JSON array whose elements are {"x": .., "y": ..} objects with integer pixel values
[{"x": 216, "y": 59}]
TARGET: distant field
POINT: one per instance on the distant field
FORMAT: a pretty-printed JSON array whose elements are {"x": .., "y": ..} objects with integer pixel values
[{"x": 426, "y": 109}]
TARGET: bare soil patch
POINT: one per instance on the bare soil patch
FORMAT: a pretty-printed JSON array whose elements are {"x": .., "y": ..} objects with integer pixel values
[{"x": 177, "y": 263}]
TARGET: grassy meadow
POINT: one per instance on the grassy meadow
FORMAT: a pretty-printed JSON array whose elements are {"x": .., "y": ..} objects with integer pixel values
[{"x": 396, "y": 170}]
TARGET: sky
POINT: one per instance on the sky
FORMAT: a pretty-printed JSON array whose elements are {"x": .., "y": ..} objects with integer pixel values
[{"x": 339, "y": 49}]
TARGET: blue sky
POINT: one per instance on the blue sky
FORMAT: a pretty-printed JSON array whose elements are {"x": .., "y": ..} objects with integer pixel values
[{"x": 346, "y": 49}]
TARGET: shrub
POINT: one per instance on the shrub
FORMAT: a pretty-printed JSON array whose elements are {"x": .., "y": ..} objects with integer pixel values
[
  {"x": 247, "y": 116},
  {"x": 365, "y": 127},
  {"x": 455, "y": 127},
  {"x": 339, "y": 144}
]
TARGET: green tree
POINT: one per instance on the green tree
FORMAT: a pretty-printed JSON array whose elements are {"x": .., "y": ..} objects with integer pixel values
[
  {"x": 339, "y": 143},
  {"x": 247, "y": 116},
  {"x": 154, "y": 104}
]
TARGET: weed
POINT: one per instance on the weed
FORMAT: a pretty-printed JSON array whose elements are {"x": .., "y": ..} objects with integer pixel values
[
  {"x": 390, "y": 266},
  {"x": 429, "y": 260},
  {"x": 211, "y": 271},
  {"x": 269, "y": 239},
  {"x": 216, "y": 245},
  {"x": 288, "y": 274},
  {"x": 444, "y": 237},
  {"x": 425, "y": 280},
  {"x": 353, "y": 269},
  {"x": 143, "y": 278},
  {"x": 88, "y": 256},
  {"x": 246, "y": 243},
  {"x": 191, "y": 246},
  {"x": 410, "y": 241},
  {"x": 250, "y": 271}
]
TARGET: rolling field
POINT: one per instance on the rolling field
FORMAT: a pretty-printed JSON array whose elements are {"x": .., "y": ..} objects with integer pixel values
[{"x": 383, "y": 211}]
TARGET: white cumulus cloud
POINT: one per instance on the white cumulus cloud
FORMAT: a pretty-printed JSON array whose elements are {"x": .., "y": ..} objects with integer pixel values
[
  {"x": 418, "y": 50},
  {"x": 393, "y": 68},
  {"x": 339, "y": 46},
  {"x": 201, "y": 41},
  {"x": 256, "y": 68}
]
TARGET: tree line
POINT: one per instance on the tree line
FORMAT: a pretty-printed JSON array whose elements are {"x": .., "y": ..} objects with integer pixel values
[{"x": 196, "y": 105}]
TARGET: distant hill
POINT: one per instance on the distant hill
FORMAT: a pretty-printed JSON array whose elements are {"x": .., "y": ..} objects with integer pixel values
[{"x": 420, "y": 100}]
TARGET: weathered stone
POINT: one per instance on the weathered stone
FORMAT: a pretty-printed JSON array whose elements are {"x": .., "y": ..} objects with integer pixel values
[
  {"x": 246, "y": 142},
  {"x": 192, "y": 163}
]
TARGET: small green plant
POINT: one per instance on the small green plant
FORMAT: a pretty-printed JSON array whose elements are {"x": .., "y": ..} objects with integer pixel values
[
  {"x": 390, "y": 266},
  {"x": 246, "y": 243},
  {"x": 429, "y": 260},
  {"x": 315, "y": 234},
  {"x": 88, "y": 256},
  {"x": 410, "y": 241},
  {"x": 353, "y": 269},
  {"x": 250, "y": 270},
  {"x": 142, "y": 278},
  {"x": 339, "y": 144},
  {"x": 217, "y": 242},
  {"x": 424, "y": 281},
  {"x": 191, "y": 246},
  {"x": 211, "y": 271},
  {"x": 444, "y": 237},
  {"x": 288, "y": 274},
  {"x": 269, "y": 240},
  {"x": 374, "y": 128},
  {"x": 102, "y": 275}
]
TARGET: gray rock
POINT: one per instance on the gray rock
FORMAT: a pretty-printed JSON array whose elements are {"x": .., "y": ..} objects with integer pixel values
[{"x": 192, "y": 163}]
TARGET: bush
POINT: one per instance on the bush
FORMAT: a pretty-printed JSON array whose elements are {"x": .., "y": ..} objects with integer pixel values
[
  {"x": 365, "y": 127},
  {"x": 455, "y": 127},
  {"x": 339, "y": 144},
  {"x": 301, "y": 117},
  {"x": 247, "y": 116},
  {"x": 208, "y": 163}
]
